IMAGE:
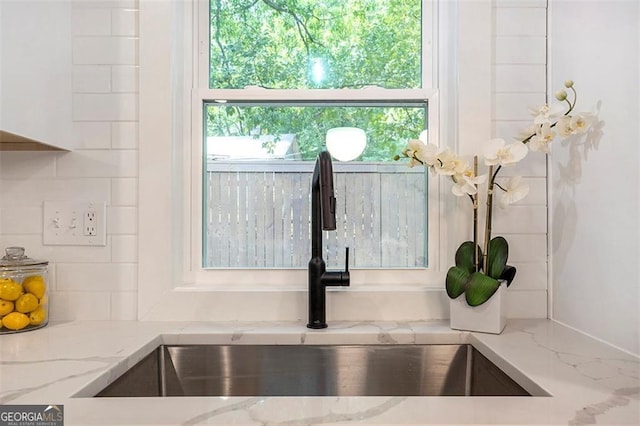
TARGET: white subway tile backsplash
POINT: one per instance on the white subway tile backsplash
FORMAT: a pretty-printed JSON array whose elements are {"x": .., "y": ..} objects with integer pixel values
[
  {"x": 529, "y": 276},
  {"x": 124, "y": 192},
  {"x": 79, "y": 305},
  {"x": 124, "y": 306},
  {"x": 520, "y": 50},
  {"x": 124, "y": 22},
  {"x": 525, "y": 248},
  {"x": 130, "y": 4},
  {"x": 124, "y": 78},
  {"x": 93, "y": 277},
  {"x": 32, "y": 192},
  {"x": 520, "y": 78},
  {"x": 519, "y": 3},
  {"x": 519, "y": 21},
  {"x": 124, "y": 248},
  {"x": 105, "y": 107},
  {"x": 526, "y": 303},
  {"x": 515, "y": 106},
  {"x": 20, "y": 220},
  {"x": 27, "y": 165},
  {"x": 105, "y": 50},
  {"x": 91, "y": 21},
  {"x": 91, "y": 79},
  {"x": 99, "y": 163},
  {"x": 122, "y": 220},
  {"x": 520, "y": 219},
  {"x": 54, "y": 254},
  {"x": 124, "y": 135},
  {"x": 92, "y": 134}
]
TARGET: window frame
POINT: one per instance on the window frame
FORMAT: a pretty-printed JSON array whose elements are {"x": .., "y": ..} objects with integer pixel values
[
  {"x": 295, "y": 278},
  {"x": 171, "y": 284}
]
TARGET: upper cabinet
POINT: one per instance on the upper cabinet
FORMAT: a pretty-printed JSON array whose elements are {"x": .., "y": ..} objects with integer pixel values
[{"x": 35, "y": 75}]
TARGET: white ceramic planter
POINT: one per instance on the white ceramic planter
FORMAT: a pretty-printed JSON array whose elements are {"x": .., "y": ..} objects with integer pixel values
[{"x": 490, "y": 317}]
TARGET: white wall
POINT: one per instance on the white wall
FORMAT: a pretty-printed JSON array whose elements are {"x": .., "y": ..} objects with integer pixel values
[{"x": 594, "y": 185}]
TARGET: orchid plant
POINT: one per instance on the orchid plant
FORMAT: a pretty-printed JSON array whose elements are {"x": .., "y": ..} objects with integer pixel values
[{"x": 478, "y": 270}]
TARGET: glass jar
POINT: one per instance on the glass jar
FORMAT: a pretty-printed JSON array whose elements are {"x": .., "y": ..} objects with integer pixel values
[{"x": 24, "y": 292}]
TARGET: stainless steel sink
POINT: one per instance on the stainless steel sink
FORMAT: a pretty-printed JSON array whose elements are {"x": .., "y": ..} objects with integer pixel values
[{"x": 314, "y": 370}]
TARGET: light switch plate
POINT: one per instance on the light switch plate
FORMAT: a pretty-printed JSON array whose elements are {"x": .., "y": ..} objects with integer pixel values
[{"x": 75, "y": 223}]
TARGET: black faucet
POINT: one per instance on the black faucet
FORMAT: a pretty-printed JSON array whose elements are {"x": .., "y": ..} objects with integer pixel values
[{"x": 323, "y": 217}]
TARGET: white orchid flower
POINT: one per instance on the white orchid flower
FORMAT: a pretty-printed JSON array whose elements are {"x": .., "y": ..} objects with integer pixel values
[
  {"x": 448, "y": 163},
  {"x": 467, "y": 183},
  {"x": 546, "y": 113},
  {"x": 497, "y": 152},
  {"x": 542, "y": 139},
  {"x": 513, "y": 191},
  {"x": 421, "y": 153},
  {"x": 574, "y": 125}
]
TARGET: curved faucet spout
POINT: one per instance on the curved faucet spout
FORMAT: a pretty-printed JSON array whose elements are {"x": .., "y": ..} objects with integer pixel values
[{"x": 323, "y": 217}]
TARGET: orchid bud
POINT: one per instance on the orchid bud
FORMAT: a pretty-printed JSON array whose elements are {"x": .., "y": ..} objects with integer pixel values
[
  {"x": 568, "y": 83},
  {"x": 561, "y": 95}
]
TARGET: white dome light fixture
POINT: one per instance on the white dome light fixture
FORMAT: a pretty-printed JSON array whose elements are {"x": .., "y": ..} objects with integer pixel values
[{"x": 346, "y": 143}]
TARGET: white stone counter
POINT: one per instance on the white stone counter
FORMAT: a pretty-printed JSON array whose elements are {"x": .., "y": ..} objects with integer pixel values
[{"x": 589, "y": 382}]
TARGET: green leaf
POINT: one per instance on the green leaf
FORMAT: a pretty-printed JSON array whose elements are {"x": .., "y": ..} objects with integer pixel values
[
  {"x": 465, "y": 256},
  {"x": 480, "y": 288},
  {"x": 498, "y": 253},
  {"x": 456, "y": 282},
  {"x": 508, "y": 274}
]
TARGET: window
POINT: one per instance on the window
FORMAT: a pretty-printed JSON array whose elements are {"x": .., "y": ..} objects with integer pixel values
[{"x": 274, "y": 78}]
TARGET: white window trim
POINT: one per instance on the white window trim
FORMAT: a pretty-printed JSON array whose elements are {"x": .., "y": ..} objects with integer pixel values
[{"x": 171, "y": 283}]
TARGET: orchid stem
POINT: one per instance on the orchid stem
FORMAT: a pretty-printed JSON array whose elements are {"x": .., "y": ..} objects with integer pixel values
[
  {"x": 476, "y": 254},
  {"x": 487, "y": 229}
]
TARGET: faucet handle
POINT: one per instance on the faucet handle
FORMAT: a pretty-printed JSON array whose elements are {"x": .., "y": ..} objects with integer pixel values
[{"x": 346, "y": 260}]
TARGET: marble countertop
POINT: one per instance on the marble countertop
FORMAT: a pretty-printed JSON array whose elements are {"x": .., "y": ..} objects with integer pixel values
[{"x": 588, "y": 382}]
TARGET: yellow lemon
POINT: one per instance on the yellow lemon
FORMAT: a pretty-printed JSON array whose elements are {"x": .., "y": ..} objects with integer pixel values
[
  {"x": 44, "y": 300},
  {"x": 9, "y": 289},
  {"x": 38, "y": 316},
  {"x": 34, "y": 285},
  {"x": 5, "y": 307},
  {"x": 26, "y": 303},
  {"x": 15, "y": 321}
]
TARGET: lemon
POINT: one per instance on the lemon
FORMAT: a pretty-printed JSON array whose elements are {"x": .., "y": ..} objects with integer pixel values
[
  {"x": 26, "y": 303},
  {"x": 38, "y": 316},
  {"x": 5, "y": 307},
  {"x": 9, "y": 289},
  {"x": 15, "y": 321},
  {"x": 44, "y": 300},
  {"x": 34, "y": 285}
]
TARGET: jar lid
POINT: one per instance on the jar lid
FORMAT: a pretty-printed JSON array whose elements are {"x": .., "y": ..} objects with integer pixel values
[{"x": 15, "y": 257}]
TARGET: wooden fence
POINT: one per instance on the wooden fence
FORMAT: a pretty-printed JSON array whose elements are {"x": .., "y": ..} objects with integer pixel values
[{"x": 257, "y": 215}]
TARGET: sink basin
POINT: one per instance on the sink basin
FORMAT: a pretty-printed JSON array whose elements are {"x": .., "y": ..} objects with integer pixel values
[{"x": 314, "y": 370}]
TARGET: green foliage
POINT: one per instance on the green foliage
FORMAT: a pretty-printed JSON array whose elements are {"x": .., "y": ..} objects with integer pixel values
[
  {"x": 477, "y": 286},
  {"x": 278, "y": 44}
]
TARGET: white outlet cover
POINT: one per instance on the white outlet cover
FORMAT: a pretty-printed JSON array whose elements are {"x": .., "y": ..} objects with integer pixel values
[{"x": 64, "y": 223}]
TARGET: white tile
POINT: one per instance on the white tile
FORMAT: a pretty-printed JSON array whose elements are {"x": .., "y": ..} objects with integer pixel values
[
  {"x": 93, "y": 21},
  {"x": 32, "y": 192},
  {"x": 96, "y": 276},
  {"x": 527, "y": 247},
  {"x": 91, "y": 79},
  {"x": 519, "y": 3},
  {"x": 27, "y": 165},
  {"x": 80, "y": 306},
  {"x": 105, "y": 50},
  {"x": 54, "y": 254},
  {"x": 99, "y": 163},
  {"x": 529, "y": 276},
  {"x": 520, "y": 21},
  {"x": 520, "y": 50},
  {"x": 131, "y": 4},
  {"x": 520, "y": 78},
  {"x": 124, "y": 135},
  {"x": 105, "y": 107},
  {"x": 526, "y": 304},
  {"x": 122, "y": 220},
  {"x": 515, "y": 106},
  {"x": 124, "y": 248},
  {"x": 124, "y": 192},
  {"x": 520, "y": 219},
  {"x": 92, "y": 135},
  {"x": 124, "y": 22},
  {"x": 16, "y": 220},
  {"x": 124, "y": 78},
  {"x": 124, "y": 306}
]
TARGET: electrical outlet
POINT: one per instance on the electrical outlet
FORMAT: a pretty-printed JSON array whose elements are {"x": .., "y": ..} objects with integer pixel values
[{"x": 75, "y": 224}]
